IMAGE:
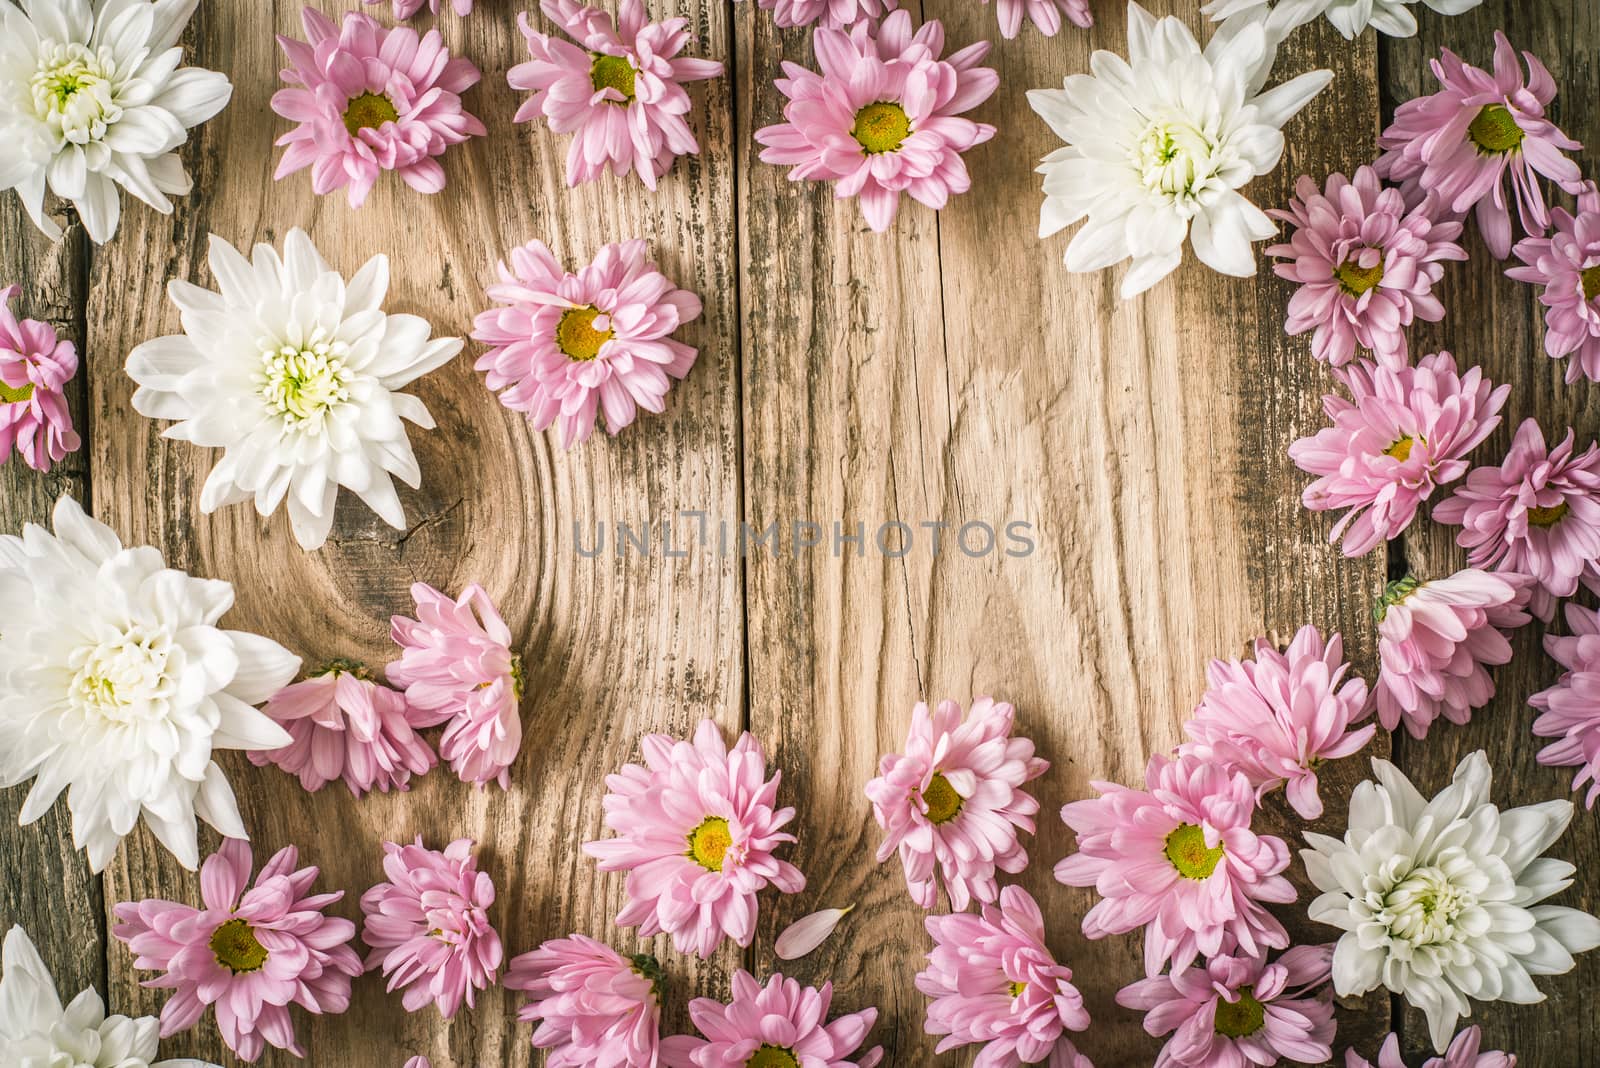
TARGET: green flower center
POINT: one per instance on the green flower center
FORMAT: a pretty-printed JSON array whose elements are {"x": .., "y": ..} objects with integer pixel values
[
  {"x": 73, "y": 92},
  {"x": 612, "y": 72},
  {"x": 1547, "y": 517},
  {"x": 1591, "y": 282},
  {"x": 1355, "y": 279},
  {"x": 1495, "y": 131},
  {"x": 709, "y": 842},
  {"x": 944, "y": 804},
  {"x": 235, "y": 947},
  {"x": 772, "y": 1057},
  {"x": 881, "y": 127},
  {"x": 1188, "y": 852},
  {"x": 301, "y": 384},
  {"x": 1401, "y": 450},
  {"x": 1238, "y": 1019},
  {"x": 1393, "y": 594},
  {"x": 15, "y": 394},
  {"x": 369, "y": 111},
  {"x": 578, "y": 337}
]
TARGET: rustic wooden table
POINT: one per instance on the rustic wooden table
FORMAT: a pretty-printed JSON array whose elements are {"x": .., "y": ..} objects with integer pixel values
[{"x": 950, "y": 369}]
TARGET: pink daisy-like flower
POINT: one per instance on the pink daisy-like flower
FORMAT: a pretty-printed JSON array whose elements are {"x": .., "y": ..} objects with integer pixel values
[
  {"x": 428, "y": 926},
  {"x": 1365, "y": 264},
  {"x": 1044, "y": 14},
  {"x": 1460, "y": 143},
  {"x": 696, "y": 828},
  {"x": 371, "y": 99},
  {"x": 1570, "y": 710},
  {"x": 1179, "y": 858},
  {"x": 620, "y": 95},
  {"x": 834, "y": 14},
  {"x": 1279, "y": 716},
  {"x": 1536, "y": 514},
  {"x": 780, "y": 1025},
  {"x": 251, "y": 951},
  {"x": 1567, "y": 265},
  {"x": 954, "y": 799},
  {"x": 34, "y": 366},
  {"x": 1463, "y": 1053},
  {"x": 346, "y": 726},
  {"x": 1436, "y": 638},
  {"x": 1236, "y": 1011},
  {"x": 595, "y": 1008},
  {"x": 1402, "y": 433},
  {"x": 993, "y": 982},
  {"x": 457, "y": 667},
  {"x": 566, "y": 346},
  {"x": 404, "y": 9},
  {"x": 883, "y": 117}
]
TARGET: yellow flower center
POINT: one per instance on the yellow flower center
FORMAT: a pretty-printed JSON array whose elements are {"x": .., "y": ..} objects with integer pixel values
[
  {"x": 1188, "y": 852},
  {"x": 944, "y": 804},
  {"x": 1495, "y": 131},
  {"x": 15, "y": 394},
  {"x": 1591, "y": 282},
  {"x": 577, "y": 336},
  {"x": 235, "y": 947},
  {"x": 1017, "y": 989},
  {"x": 368, "y": 111},
  {"x": 1547, "y": 517},
  {"x": 612, "y": 72},
  {"x": 772, "y": 1057},
  {"x": 301, "y": 384},
  {"x": 709, "y": 842},
  {"x": 1238, "y": 1019},
  {"x": 881, "y": 127},
  {"x": 1401, "y": 450},
  {"x": 1355, "y": 279}
]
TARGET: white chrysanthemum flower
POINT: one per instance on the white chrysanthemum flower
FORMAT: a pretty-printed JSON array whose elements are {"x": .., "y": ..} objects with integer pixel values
[
  {"x": 1159, "y": 144},
  {"x": 291, "y": 371},
  {"x": 1350, "y": 17},
  {"x": 1439, "y": 900},
  {"x": 116, "y": 685},
  {"x": 92, "y": 97}
]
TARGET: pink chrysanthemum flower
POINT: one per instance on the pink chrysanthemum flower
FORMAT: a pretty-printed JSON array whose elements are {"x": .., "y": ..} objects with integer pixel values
[
  {"x": 1279, "y": 716},
  {"x": 1402, "y": 433},
  {"x": 1237, "y": 1011},
  {"x": 994, "y": 983},
  {"x": 34, "y": 366},
  {"x": 1044, "y": 14},
  {"x": 457, "y": 667},
  {"x": 404, "y": 9},
  {"x": 595, "y": 1008},
  {"x": 1567, "y": 265},
  {"x": 371, "y": 99},
  {"x": 834, "y": 14},
  {"x": 1570, "y": 710},
  {"x": 566, "y": 346},
  {"x": 780, "y": 1025},
  {"x": 1365, "y": 264},
  {"x": 251, "y": 952},
  {"x": 1179, "y": 856},
  {"x": 346, "y": 726},
  {"x": 954, "y": 800},
  {"x": 1436, "y": 638},
  {"x": 696, "y": 828},
  {"x": 428, "y": 926},
  {"x": 1460, "y": 143},
  {"x": 883, "y": 117},
  {"x": 1463, "y": 1053},
  {"x": 620, "y": 95},
  {"x": 1536, "y": 514}
]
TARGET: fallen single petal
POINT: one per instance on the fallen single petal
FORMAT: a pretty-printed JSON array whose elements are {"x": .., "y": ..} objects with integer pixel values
[{"x": 809, "y": 932}]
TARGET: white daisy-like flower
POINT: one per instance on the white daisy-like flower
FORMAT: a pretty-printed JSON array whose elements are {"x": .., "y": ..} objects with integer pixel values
[
  {"x": 292, "y": 372},
  {"x": 117, "y": 686},
  {"x": 35, "y": 1029},
  {"x": 1350, "y": 17},
  {"x": 1159, "y": 144},
  {"x": 91, "y": 98},
  {"x": 1439, "y": 900}
]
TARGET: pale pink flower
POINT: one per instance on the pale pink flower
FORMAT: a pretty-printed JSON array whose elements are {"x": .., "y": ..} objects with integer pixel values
[
  {"x": 696, "y": 828},
  {"x": 1179, "y": 858},
  {"x": 457, "y": 667},
  {"x": 1460, "y": 143},
  {"x": 620, "y": 95},
  {"x": 251, "y": 951},
  {"x": 1567, "y": 265},
  {"x": 1277, "y": 717},
  {"x": 346, "y": 726},
  {"x": 1570, "y": 710},
  {"x": 1463, "y": 1053},
  {"x": 834, "y": 14},
  {"x": 34, "y": 366},
  {"x": 595, "y": 1008},
  {"x": 404, "y": 9},
  {"x": 883, "y": 117},
  {"x": 368, "y": 99},
  {"x": 1044, "y": 14},
  {"x": 567, "y": 346},
  {"x": 1436, "y": 638},
  {"x": 783, "y": 1017},
  {"x": 994, "y": 983},
  {"x": 954, "y": 800},
  {"x": 1231, "y": 1012},
  {"x": 418, "y": 1062},
  {"x": 1402, "y": 433},
  {"x": 1536, "y": 514},
  {"x": 1366, "y": 266},
  {"x": 428, "y": 925}
]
